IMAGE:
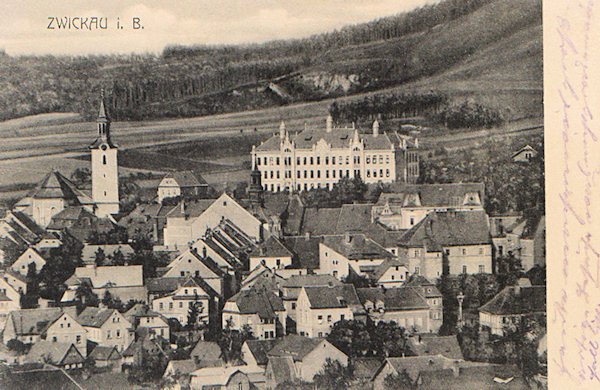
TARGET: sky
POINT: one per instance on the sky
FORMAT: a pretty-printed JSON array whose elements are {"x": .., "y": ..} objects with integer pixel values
[{"x": 24, "y": 24}]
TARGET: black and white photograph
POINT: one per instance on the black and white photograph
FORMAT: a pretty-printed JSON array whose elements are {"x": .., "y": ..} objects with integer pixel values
[{"x": 272, "y": 195}]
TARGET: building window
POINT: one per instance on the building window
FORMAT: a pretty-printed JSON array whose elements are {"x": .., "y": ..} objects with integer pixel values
[
  {"x": 181, "y": 305},
  {"x": 318, "y": 173},
  {"x": 368, "y": 160},
  {"x": 342, "y": 317},
  {"x": 54, "y": 339},
  {"x": 464, "y": 269},
  {"x": 104, "y": 159},
  {"x": 277, "y": 161},
  {"x": 333, "y": 160},
  {"x": 417, "y": 270},
  {"x": 327, "y": 173},
  {"x": 311, "y": 160},
  {"x": 320, "y": 318},
  {"x": 318, "y": 160},
  {"x": 481, "y": 251},
  {"x": 298, "y": 174},
  {"x": 118, "y": 333},
  {"x": 464, "y": 251},
  {"x": 293, "y": 305},
  {"x": 329, "y": 318},
  {"x": 481, "y": 269},
  {"x": 312, "y": 174},
  {"x": 170, "y": 305},
  {"x": 387, "y": 173},
  {"x": 412, "y": 221},
  {"x": 160, "y": 306},
  {"x": 78, "y": 339},
  {"x": 108, "y": 334}
]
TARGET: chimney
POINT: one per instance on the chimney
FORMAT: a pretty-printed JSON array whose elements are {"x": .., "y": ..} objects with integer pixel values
[
  {"x": 455, "y": 369},
  {"x": 347, "y": 238},
  {"x": 375, "y": 128},
  {"x": 329, "y": 123},
  {"x": 307, "y": 236},
  {"x": 416, "y": 142},
  {"x": 282, "y": 130}
]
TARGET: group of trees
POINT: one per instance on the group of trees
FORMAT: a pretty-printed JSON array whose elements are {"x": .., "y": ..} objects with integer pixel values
[
  {"x": 387, "y": 105},
  {"x": 467, "y": 114},
  {"x": 345, "y": 191},
  {"x": 367, "y": 339}
]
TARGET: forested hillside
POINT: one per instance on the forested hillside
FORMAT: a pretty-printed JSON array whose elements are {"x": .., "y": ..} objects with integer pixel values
[{"x": 202, "y": 80}]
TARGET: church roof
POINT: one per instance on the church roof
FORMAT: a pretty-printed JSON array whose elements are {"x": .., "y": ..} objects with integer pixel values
[{"x": 56, "y": 186}]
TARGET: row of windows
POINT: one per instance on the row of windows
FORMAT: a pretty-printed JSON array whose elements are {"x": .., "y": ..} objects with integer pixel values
[
  {"x": 312, "y": 160},
  {"x": 329, "y": 318},
  {"x": 387, "y": 173},
  {"x": 161, "y": 305}
]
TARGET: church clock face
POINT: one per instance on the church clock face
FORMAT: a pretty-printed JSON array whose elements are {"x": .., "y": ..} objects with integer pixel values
[{"x": 103, "y": 146}]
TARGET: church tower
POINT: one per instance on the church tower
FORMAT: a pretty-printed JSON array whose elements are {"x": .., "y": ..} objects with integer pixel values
[
  {"x": 105, "y": 174},
  {"x": 255, "y": 191}
]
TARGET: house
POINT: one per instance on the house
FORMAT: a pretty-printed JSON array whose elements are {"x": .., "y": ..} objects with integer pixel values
[
  {"x": 192, "y": 293},
  {"x": 31, "y": 255},
  {"x": 89, "y": 252},
  {"x": 33, "y": 376},
  {"x": 299, "y": 357},
  {"x": 262, "y": 311},
  {"x": 52, "y": 324},
  {"x": 106, "y": 356},
  {"x": 80, "y": 223},
  {"x": 510, "y": 305},
  {"x": 217, "y": 378},
  {"x": 61, "y": 354},
  {"x": 207, "y": 354},
  {"x": 524, "y": 155},
  {"x": 306, "y": 253},
  {"x": 20, "y": 228},
  {"x": 318, "y": 308},
  {"x": 416, "y": 366},
  {"x": 363, "y": 369},
  {"x": 182, "y": 229},
  {"x": 272, "y": 253},
  {"x": 483, "y": 376},
  {"x": 254, "y": 352},
  {"x": 141, "y": 348},
  {"x": 106, "y": 327},
  {"x": 523, "y": 238},
  {"x": 403, "y": 305},
  {"x": 262, "y": 277},
  {"x": 432, "y": 295},
  {"x": 190, "y": 263},
  {"x": 53, "y": 194},
  {"x": 291, "y": 289},
  {"x": 390, "y": 273},
  {"x": 433, "y": 345},
  {"x": 410, "y": 203},
  {"x": 124, "y": 282},
  {"x": 48, "y": 241},
  {"x": 10, "y": 300},
  {"x": 462, "y": 237},
  {"x": 16, "y": 280},
  {"x": 341, "y": 254},
  {"x": 319, "y": 158},
  {"x": 141, "y": 316},
  {"x": 175, "y": 368},
  {"x": 186, "y": 184}
]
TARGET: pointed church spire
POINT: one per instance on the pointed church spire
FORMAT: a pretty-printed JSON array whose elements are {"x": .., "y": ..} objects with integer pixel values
[{"x": 102, "y": 111}]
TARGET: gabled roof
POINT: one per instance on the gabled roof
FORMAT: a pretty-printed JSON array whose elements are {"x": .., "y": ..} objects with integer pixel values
[
  {"x": 353, "y": 218},
  {"x": 417, "y": 365},
  {"x": 33, "y": 321},
  {"x": 57, "y": 352},
  {"x": 191, "y": 208},
  {"x": 514, "y": 300},
  {"x": 56, "y": 186},
  {"x": 206, "y": 350},
  {"x": 305, "y": 250},
  {"x": 38, "y": 376},
  {"x": 365, "y": 368},
  {"x": 384, "y": 266},
  {"x": 320, "y": 221},
  {"x": 431, "y": 345},
  {"x": 163, "y": 285},
  {"x": 282, "y": 368},
  {"x": 186, "y": 178},
  {"x": 332, "y": 297},
  {"x": 141, "y": 310},
  {"x": 394, "y": 299},
  {"x": 181, "y": 366},
  {"x": 430, "y": 195},
  {"x": 295, "y": 346},
  {"x": 101, "y": 352},
  {"x": 272, "y": 247},
  {"x": 523, "y": 149},
  {"x": 483, "y": 376},
  {"x": 94, "y": 316},
  {"x": 449, "y": 228},
  {"x": 28, "y": 223},
  {"x": 215, "y": 376},
  {"x": 356, "y": 247},
  {"x": 299, "y": 281},
  {"x": 115, "y": 276},
  {"x": 192, "y": 254},
  {"x": 260, "y": 348},
  {"x": 425, "y": 287},
  {"x": 263, "y": 303}
]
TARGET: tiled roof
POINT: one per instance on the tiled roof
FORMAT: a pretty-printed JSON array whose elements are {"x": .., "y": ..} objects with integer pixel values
[
  {"x": 116, "y": 276},
  {"x": 94, "y": 316},
  {"x": 513, "y": 300},
  {"x": 436, "y": 345},
  {"x": 55, "y": 185},
  {"x": 206, "y": 350},
  {"x": 417, "y": 365},
  {"x": 365, "y": 368},
  {"x": 430, "y": 195},
  {"x": 332, "y": 297},
  {"x": 298, "y": 281},
  {"x": 354, "y": 218},
  {"x": 474, "y": 378},
  {"x": 449, "y": 228},
  {"x": 183, "y": 366},
  {"x": 55, "y": 351},
  {"x": 88, "y": 253},
  {"x": 260, "y": 348},
  {"x": 33, "y": 321},
  {"x": 319, "y": 222},
  {"x": 272, "y": 247},
  {"x": 192, "y": 208},
  {"x": 425, "y": 287},
  {"x": 305, "y": 250},
  {"x": 282, "y": 368},
  {"x": 295, "y": 346},
  {"x": 29, "y": 223},
  {"x": 101, "y": 352},
  {"x": 163, "y": 285},
  {"x": 187, "y": 178},
  {"x": 394, "y": 299},
  {"x": 140, "y": 310},
  {"x": 356, "y": 247},
  {"x": 382, "y": 268},
  {"x": 263, "y": 303},
  {"x": 39, "y": 377}
]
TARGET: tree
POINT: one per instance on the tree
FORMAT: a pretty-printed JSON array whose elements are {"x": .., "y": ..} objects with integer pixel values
[
  {"x": 84, "y": 296},
  {"x": 29, "y": 300},
  {"x": 231, "y": 341},
  {"x": 400, "y": 381},
  {"x": 17, "y": 346},
  {"x": 359, "y": 281},
  {"x": 193, "y": 312},
  {"x": 359, "y": 339},
  {"x": 334, "y": 375},
  {"x": 100, "y": 257},
  {"x": 112, "y": 302},
  {"x": 81, "y": 176}
]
